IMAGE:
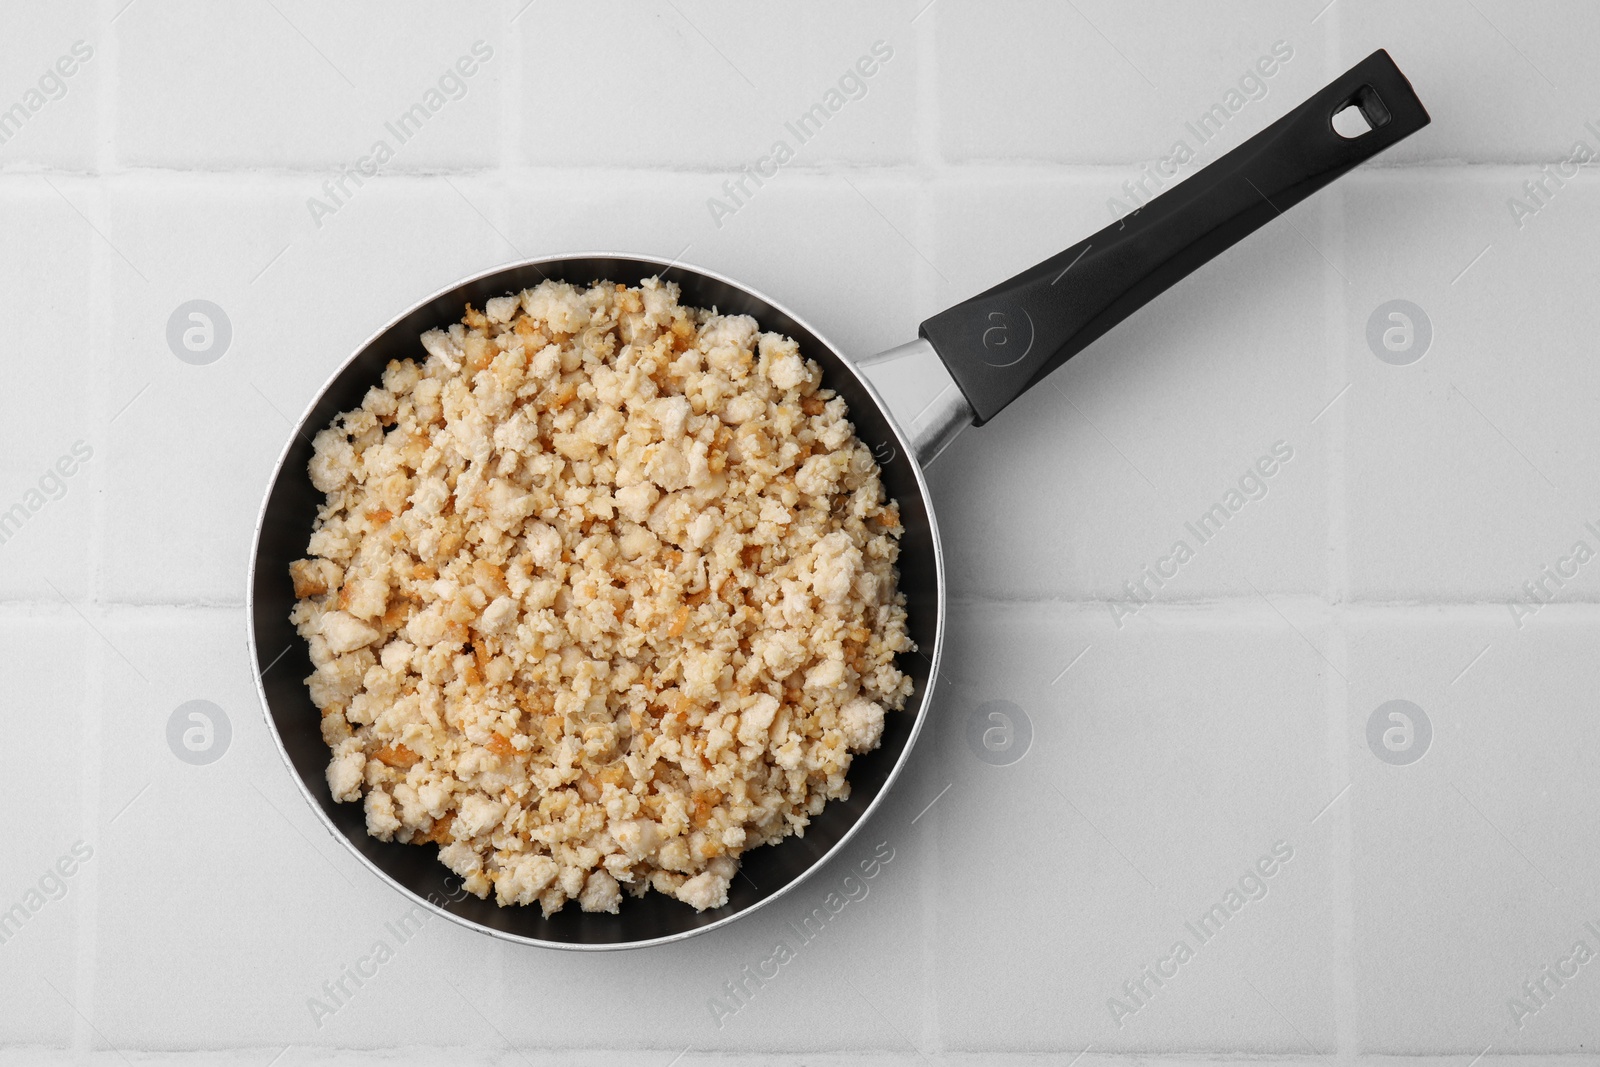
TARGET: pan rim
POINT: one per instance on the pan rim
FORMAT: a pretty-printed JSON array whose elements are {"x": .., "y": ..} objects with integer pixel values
[{"x": 849, "y": 834}]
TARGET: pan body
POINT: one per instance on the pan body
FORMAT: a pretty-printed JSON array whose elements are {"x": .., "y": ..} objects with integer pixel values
[{"x": 282, "y": 661}]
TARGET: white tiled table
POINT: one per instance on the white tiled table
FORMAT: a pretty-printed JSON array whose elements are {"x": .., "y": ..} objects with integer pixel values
[{"x": 1168, "y": 754}]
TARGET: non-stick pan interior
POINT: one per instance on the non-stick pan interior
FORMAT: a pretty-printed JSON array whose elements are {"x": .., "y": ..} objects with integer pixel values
[{"x": 286, "y": 527}]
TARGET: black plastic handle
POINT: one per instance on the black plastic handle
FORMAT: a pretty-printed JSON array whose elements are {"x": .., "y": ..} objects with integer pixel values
[{"x": 999, "y": 343}]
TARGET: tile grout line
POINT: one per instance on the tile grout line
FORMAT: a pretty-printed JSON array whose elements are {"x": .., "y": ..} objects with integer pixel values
[
  {"x": 1346, "y": 1005},
  {"x": 929, "y": 164},
  {"x": 512, "y": 96},
  {"x": 87, "y": 908},
  {"x": 1335, "y": 435},
  {"x": 998, "y": 167}
]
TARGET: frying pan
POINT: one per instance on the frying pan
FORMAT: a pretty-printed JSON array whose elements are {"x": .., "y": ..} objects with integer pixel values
[{"x": 994, "y": 347}]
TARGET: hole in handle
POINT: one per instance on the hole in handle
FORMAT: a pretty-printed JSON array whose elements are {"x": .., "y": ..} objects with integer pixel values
[
  {"x": 1362, "y": 112},
  {"x": 1350, "y": 123}
]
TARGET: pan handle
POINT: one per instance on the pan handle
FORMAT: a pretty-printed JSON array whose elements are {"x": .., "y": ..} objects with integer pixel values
[{"x": 999, "y": 343}]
